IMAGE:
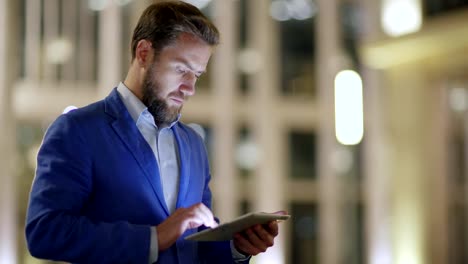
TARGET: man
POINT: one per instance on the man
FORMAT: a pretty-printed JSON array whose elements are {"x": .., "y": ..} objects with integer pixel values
[{"x": 122, "y": 180}]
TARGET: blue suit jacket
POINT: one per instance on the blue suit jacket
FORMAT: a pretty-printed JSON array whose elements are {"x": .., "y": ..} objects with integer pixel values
[{"x": 97, "y": 191}]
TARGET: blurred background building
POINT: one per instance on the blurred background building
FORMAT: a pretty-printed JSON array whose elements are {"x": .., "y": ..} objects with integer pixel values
[{"x": 350, "y": 114}]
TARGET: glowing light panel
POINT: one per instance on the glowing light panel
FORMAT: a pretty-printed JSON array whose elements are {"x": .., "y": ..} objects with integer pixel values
[
  {"x": 349, "y": 120},
  {"x": 401, "y": 17},
  {"x": 283, "y": 10},
  {"x": 199, "y": 3},
  {"x": 59, "y": 51}
]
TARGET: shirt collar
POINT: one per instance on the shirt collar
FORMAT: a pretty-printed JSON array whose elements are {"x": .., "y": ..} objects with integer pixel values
[{"x": 135, "y": 107}]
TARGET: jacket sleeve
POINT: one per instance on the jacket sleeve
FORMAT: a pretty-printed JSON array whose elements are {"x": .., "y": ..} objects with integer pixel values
[{"x": 56, "y": 229}]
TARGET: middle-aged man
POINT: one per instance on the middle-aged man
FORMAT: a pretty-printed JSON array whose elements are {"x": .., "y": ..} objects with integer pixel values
[{"x": 123, "y": 180}]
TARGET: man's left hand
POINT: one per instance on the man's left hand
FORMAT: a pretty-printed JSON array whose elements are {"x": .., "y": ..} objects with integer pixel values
[{"x": 256, "y": 239}]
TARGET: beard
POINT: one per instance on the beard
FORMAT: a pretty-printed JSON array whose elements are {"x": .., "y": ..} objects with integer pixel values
[{"x": 157, "y": 106}]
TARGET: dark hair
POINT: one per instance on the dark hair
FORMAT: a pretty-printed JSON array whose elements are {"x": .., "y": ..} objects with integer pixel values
[{"x": 162, "y": 22}]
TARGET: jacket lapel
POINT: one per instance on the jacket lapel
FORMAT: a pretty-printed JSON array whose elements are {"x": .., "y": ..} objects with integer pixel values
[
  {"x": 183, "y": 145},
  {"x": 128, "y": 132}
]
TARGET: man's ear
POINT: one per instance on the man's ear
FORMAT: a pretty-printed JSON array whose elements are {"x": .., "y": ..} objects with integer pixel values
[{"x": 144, "y": 53}]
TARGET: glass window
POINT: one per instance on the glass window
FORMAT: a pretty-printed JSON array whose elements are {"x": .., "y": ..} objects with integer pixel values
[
  {"x": 458, "y": 234},
  {"x": 305, "y": 233},
  {"x": 207, "y": 134},
  {"x": 437, "y": 7},
  {"x": 83, "y": 45},
  {"x": 353, "y": 237},
  {"x": 302, "y": 158},
  {"x": 28, "y": 139},
  {"x": 246, "y": 152},
  {"x": 349, "y": 23},
  {"x": 29, "y": 135},
  {"x": 297, "y": 45},
  {"x": 243, "y": 31},
  {"x": 245, "y": 207},
  {"x": 126, "y": 38},
  {"x": 458, "y": 206},
  {"x": 21, "y": 39},
  {"x": 208, "y": 139},
  {"x": 457, "y": 163},
  {"x": 354, "y": 172},
  {"x": 458, "y": 103}
]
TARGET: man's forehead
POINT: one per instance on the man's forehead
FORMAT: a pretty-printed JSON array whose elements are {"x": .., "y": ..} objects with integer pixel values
[{"x": 189, "y": 48}]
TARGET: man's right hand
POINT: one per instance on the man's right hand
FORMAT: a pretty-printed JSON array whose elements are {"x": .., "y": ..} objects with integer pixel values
[{"x": 181, "y": 220}]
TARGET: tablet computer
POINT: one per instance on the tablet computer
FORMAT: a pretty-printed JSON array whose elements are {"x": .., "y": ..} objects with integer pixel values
[{"x": 226, "y": 231}]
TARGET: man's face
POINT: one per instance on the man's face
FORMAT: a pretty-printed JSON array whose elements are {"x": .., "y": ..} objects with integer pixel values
[{"x": 171, "y": 78}]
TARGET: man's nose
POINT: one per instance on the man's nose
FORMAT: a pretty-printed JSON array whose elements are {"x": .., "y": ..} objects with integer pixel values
[{"x": 188, "y": 86}]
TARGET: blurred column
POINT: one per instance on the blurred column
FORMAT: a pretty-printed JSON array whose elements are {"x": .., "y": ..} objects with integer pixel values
[
  {"x": 69, "y": 35},
  {"x": 224, "y": 84},
  {"x": 86, "y": 50},
  {"x": 412, "y": 145},
  {"x": 8, "y": 211},
  {"x": 268, "y": 177},
  {"x": 330, "y": 200},
  {"x": 109, "y": 50},
  {"x": 137, "y": 8},
  {"x": 438, "y": 131},
  {"x": 377, "y": 181},
  {"x": 51, "y": 35},
  {"x": 32, "y": 37},
  {"x": 465, "y": 196}
]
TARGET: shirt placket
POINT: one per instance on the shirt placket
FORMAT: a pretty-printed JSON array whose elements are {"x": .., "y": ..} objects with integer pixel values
[{"x": 168, "y": 166}]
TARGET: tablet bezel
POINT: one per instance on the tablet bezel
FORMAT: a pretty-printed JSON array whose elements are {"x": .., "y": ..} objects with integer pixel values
[{"x": 227, "y": 230}]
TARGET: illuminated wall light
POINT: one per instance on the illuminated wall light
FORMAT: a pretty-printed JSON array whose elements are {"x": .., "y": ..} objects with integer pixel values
[
  {"x": 349, "y": 120},
  {"x": 122, "y": 2},
  {"x": 283, "y": 10},
  {"x": 401, "y": 17},
  {"x": 279, "y": 10},
  {"x": 98, "y": 5},
  {"x": 342, "y": 160},
  {"x": 458, "y": 99},
  {"x": 302, "y": 9},
  {"x": 250, "y": 61},
  {"x": 199, "y": 3},
  {"x": 247, "y": 154},
  {"x": 59, "y": 51}
]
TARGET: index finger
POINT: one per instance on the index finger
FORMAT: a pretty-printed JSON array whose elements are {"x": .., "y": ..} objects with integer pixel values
[
  {"x": 206, "y": 215},
  {"x": 273, "y": 228}
]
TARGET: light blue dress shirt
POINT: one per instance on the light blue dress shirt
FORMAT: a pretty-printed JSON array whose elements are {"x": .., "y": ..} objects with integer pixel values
[{"x": 163, "y": 144}]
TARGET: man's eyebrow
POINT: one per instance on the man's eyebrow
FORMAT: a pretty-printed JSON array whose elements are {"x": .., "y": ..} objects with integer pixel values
[{"x": 190, "y": 66}]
